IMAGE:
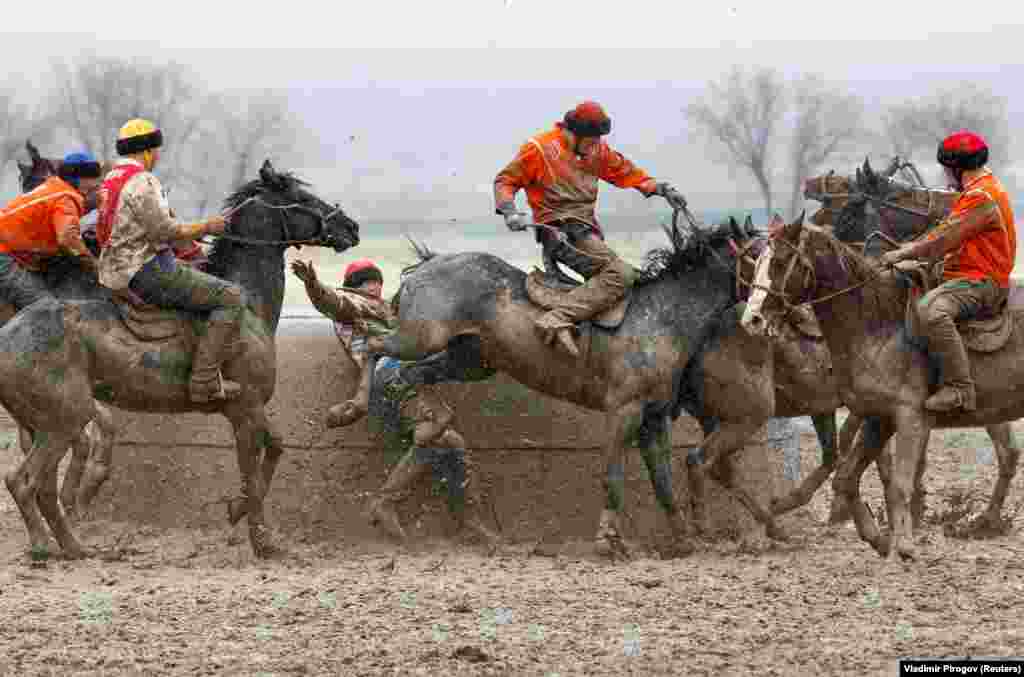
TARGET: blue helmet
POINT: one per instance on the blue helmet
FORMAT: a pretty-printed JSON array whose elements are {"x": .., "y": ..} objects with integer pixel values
[{"x": 77, "y": 165}]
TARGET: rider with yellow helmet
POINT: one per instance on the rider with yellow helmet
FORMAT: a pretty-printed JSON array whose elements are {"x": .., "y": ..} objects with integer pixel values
[{"x": 137, "y": 233}]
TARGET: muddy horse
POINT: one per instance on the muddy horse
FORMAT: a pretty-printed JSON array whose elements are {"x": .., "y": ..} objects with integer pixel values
[
  {"x": 84, "y": 348},
  {"x": 93, "y": 447},
  {"x": 882, "y": 374},
  {"x": 877, "y": 212}
]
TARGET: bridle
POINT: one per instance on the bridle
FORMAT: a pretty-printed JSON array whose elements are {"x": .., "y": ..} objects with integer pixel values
[
  {"x": 810, "y": 277},
  {"x": 320, "y": 238}
]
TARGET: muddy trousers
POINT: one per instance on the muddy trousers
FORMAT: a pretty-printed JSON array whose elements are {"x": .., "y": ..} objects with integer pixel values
[
  {"x": 445, "y": 461},
  {"x": 607, "y": 276},
  {"x": 939, "y": 310},
  {"x": 167, "y": 283}
]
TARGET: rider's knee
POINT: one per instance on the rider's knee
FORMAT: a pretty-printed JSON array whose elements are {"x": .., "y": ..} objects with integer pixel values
[
  {"x": 618, "y": 273},
  {"x": 937, "y": 310}
]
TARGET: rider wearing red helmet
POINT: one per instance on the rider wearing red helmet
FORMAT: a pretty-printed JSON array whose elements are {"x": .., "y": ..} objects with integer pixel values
[
  {"x": 979, "y": 243},
  {"x": 559, "y": 170}
]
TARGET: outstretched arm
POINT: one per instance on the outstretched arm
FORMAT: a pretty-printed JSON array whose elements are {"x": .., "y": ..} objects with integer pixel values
[
  {"x": 327, "y": 301},
  {"x": 619, "y": 171},
  {"x": 977, "y": 214}
]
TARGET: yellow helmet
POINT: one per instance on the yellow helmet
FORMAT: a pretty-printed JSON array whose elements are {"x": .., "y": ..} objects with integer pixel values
[{"x": 137, "y": 136}]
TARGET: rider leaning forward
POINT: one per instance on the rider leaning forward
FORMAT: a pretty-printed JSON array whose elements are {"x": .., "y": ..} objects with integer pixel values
[
  {"x": 42, "y": 224},
  {"x": 559, "y": 170}
]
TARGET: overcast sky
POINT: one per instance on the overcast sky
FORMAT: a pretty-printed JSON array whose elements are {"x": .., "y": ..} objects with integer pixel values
[{"x": 414, "y": 102}]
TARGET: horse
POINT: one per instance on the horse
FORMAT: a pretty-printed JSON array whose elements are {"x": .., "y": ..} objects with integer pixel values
[
  {"x": 83, "y": 349},
  {"x": 68, "y": 281},
  {"x": 881, "y": 373},
  {"x": 874, "y": 209}
]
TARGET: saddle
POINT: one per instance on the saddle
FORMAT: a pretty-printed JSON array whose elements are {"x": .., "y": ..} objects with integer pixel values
[
  {"x": 149, "y": 323},
  {"x": 545, "y": 290},
  {"x": 986, "y": 333}
]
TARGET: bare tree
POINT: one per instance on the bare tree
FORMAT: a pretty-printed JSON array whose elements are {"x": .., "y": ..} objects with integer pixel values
[
  {"x": 255, "y": 127},
  {"x": 97, "y": 95},
  {"x": 916, "y": 127},
  {"x": 825, "y": 121},
  {"x": 743, "y": 116},
  {"x": 19, "y": 123},
  {"x": 239, "y": 133}
]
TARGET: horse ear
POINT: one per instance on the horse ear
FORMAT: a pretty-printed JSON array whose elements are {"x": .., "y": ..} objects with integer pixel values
[
  {"x": 267, "y": 172},
  {"x": 33, "y": 152},
  {"x": 868, "y": 171},
  {"x": 803, "y": 215},
  {"x": 748, "y": 225},
  {"x": 736, "y": 231},
  {"x": 791, "y": 231}
]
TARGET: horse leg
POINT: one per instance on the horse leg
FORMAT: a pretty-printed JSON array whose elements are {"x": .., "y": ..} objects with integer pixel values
[
  {"x": 825, "y": 427},
  {"x": 906, "y": 448},
  {"x": 251, "y": 441},
  {"x": 919, "y": 494},
  {"x": 623, "y": 429},
  {"x": 273, "y": 449},
  {"x": 846, "y": 483},
  {"x": 839, "y": 512},
  {"x": 81, "y": 448},
  {"x": 46, "y": 498},
  {"x": 102, "y": 436},
  {"x": 656, "y": 446},
  {"x": 1008, "y": 455},
  {"x": 719, "y": 447},
  {"x": 25, "y": 484}
]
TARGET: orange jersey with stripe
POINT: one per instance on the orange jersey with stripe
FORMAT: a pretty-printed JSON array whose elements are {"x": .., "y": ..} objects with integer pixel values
[
  {"x": 559, "y": 184},
  {"x": 984, "y": 208},
  {"x": 42, "y": 222}
]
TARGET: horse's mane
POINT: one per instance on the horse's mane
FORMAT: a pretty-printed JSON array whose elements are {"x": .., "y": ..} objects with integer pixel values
[
  {"x": 282, "y": 181},
  {"x": 688, "y": 251},
  {"x": 850, "y": 259}
]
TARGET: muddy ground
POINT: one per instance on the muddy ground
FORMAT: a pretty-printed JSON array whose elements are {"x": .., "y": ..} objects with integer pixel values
[{"x": 177, "y": 592}]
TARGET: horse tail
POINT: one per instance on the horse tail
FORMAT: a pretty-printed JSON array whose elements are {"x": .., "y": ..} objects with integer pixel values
[{"x": 423, "y": 253}]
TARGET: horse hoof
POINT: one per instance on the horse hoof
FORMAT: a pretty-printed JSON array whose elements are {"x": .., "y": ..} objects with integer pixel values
[
  {"x": 907, "y": 553},
  {"x": 75, "y": 551},
  {"x": 262, "y": 546},
  {"x": 883, "y": 545},
  {"x": 611, "y": 548},
  {"x": 681, "y": 548}
]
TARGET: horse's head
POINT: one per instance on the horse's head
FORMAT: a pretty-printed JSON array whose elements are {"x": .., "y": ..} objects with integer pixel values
[
  {"x": 30, "y": 176},
  {"x": 784, "y": 275},
  {"x": 872, "y": 202},
  {"x": 277, "y": 209}
]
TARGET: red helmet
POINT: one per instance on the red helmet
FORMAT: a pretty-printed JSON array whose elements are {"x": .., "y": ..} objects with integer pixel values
[
  {"x": 588, "y": 119},
  {"x": 963, "y": 150},
  {"x": 363, "y": 270}
]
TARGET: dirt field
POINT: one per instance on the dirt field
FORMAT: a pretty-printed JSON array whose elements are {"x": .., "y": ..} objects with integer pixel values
[{"x": 178, "y": 592}]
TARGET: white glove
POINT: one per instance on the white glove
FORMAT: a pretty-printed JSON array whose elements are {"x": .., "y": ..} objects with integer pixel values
[
  {"x": 673, "y": 196},
  {"x": 515, "y": 221}
]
